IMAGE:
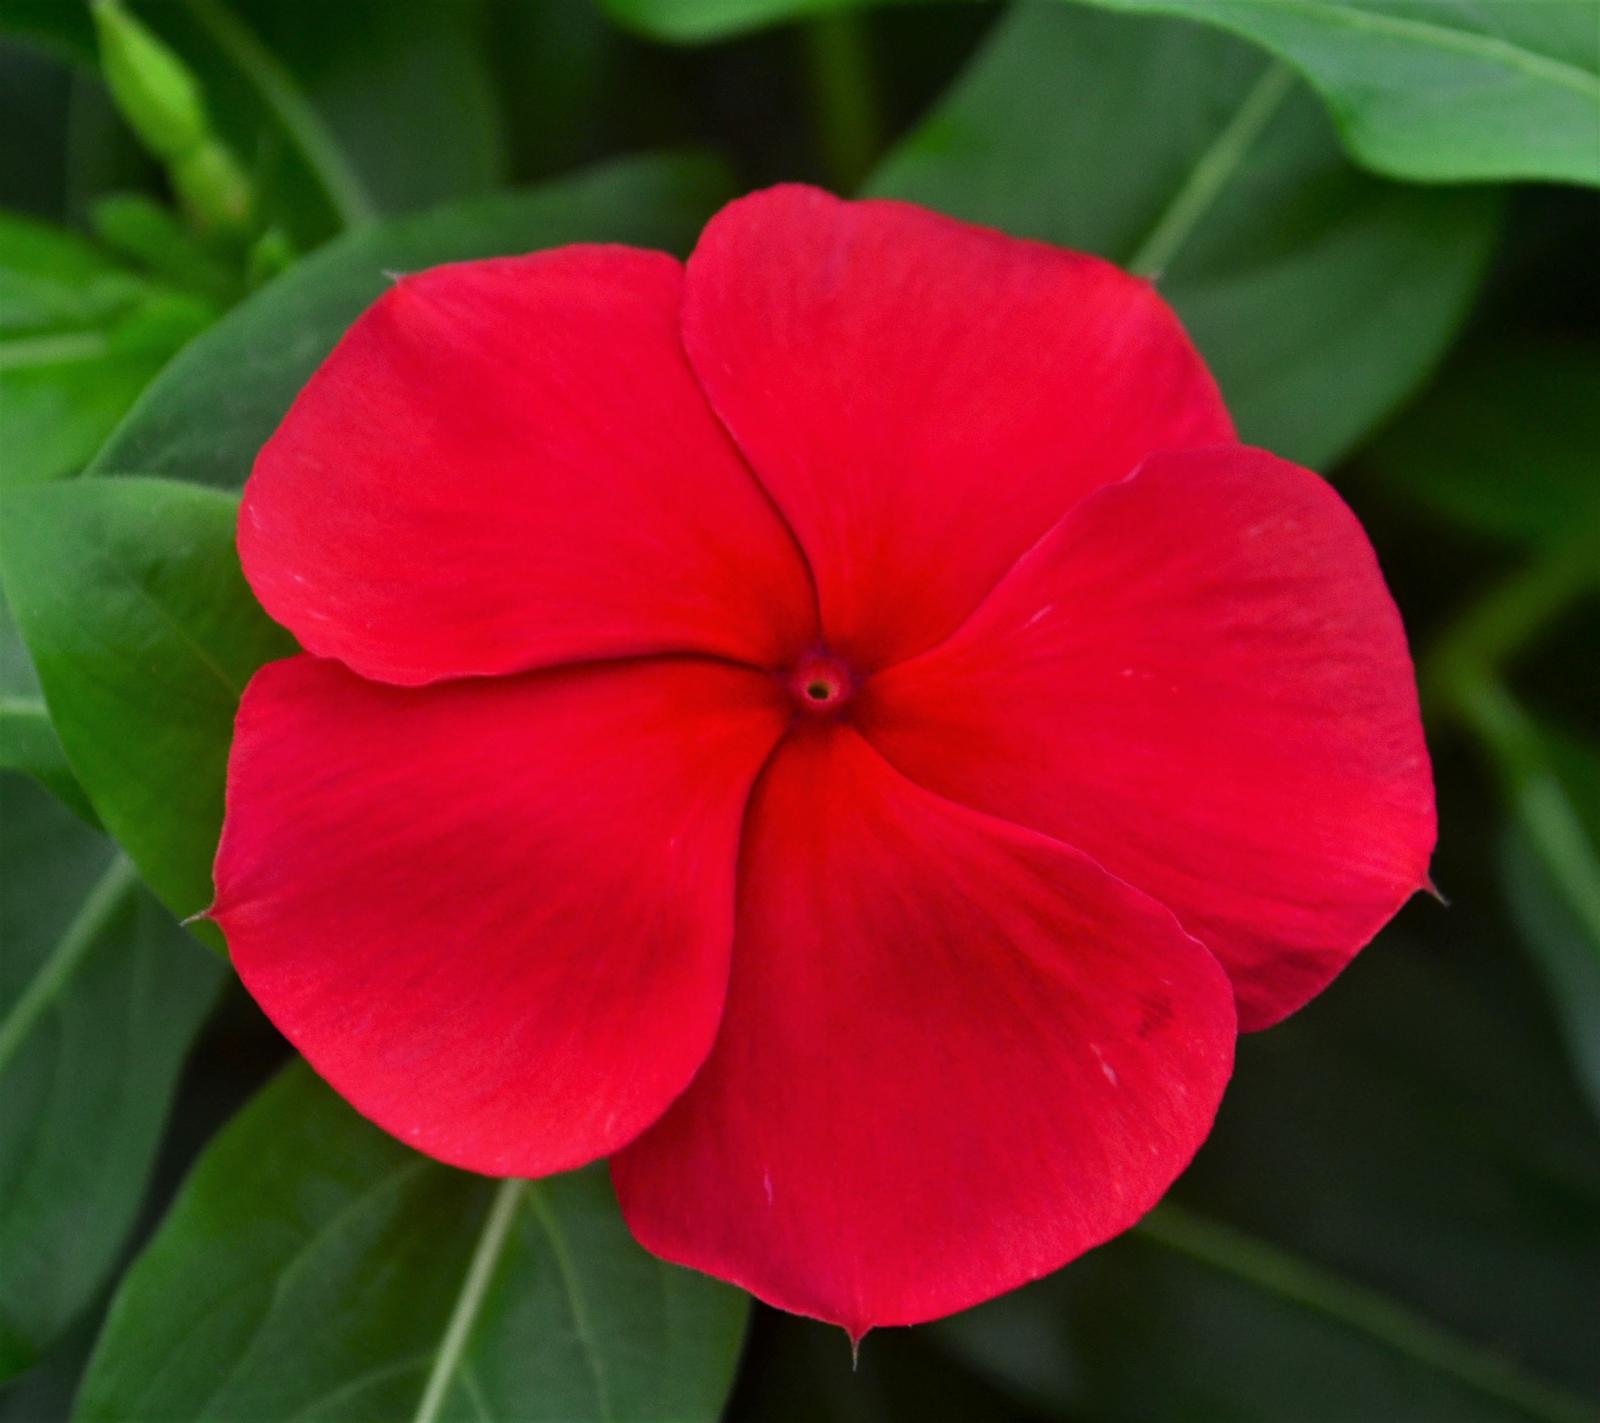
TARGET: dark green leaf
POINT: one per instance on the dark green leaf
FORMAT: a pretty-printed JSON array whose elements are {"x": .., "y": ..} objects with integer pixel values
[
  {"x": 1551, "y": 865},
  {"x": 129, "y": 595},
  {"x": 1397, "y": 1217},
  {"x": 28, "y": 743},
  {"x": 1504, "y": 443},
  {"x": 210, "y": 411},
  {"x": 100, "y": 996},
  {"x": 1320, "y": 296},
  {"x": 369, "y": 106},
  {"x": 1435, "y": 90},
  {"x": 314, "y": 1268}
]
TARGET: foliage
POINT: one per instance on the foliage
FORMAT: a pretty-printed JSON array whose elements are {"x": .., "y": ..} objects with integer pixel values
[{"x": 1398, "y": 1214}]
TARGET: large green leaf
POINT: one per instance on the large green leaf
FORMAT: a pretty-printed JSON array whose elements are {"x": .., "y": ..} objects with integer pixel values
[
  {"x": 1397, "y": 1217},
  {"x": 1319, "y": 295},
  {"x": 1433, "y": 90},
  {"x": 100, "y": 996},
  {"x": 210, "y": 410},
  {"x": 1438, "y": 90},
  {"x": 314, "y": 1268},
  {"x": 129, "y": 595}
]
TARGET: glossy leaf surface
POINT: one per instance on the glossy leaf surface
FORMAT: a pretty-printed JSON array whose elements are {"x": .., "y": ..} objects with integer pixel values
[
  {"x": 100, "y": 997},
  {"x": 1319, "y": 296},
  {"x": 314, "y": 1268},
  {"x": 1435, "y": 90}
]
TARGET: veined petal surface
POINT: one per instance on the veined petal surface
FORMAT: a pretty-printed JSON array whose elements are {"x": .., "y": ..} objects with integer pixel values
[
  {"x": 507, "y": 464},
  {"x": 495, "y": 914},
  {"x": 955, "y": 1055},
  {"x": 924, "y": 398},
  {"x": 1200, "y": 680}
]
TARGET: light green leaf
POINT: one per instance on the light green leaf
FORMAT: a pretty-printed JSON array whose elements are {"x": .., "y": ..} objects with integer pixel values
[
  {"x": 100, "y": 996},
  {"x": 1319, "y": 296},
  {"x": 315, "y": 1269},
  {"x": 79, "y": 338},
  {"x": 209, "y": 412},
  {"x": 1430, "y": 90},
  {"x": 143, "y": 632}
]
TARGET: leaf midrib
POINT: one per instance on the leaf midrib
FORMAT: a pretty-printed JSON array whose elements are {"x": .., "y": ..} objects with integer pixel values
[
  {"x": 103, "y": 900},
  {"x": 1288, "y": 1276}
]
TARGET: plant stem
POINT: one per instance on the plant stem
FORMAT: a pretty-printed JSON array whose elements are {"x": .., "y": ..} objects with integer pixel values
[
  {"x": 346, "y": 193},
  {"x": 844, "y": 93},
  {"x": 1464, "y": 678}
]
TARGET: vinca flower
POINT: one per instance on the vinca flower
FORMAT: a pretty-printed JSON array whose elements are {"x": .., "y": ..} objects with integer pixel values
[{"x": 840, "y": 727}]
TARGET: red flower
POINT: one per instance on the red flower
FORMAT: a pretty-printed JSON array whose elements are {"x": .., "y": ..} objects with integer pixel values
[{"x": 842, "y": 727}]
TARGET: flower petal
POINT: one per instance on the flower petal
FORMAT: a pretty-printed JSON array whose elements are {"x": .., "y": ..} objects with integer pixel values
[
  {"x": 495, "y": 915},
  {"x": 508, "y": 464},
  {"x": 924, "y": 398},
  {"x": 955, "y": 1055},
  {"x": 1200, "y": 680}
]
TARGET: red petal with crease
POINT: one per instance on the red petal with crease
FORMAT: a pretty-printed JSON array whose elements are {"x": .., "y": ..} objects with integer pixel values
[
  {"x": 507, "y": 464},
  {"x": 1200, "y": 680},
  {"x": 495, "y": 915},
  {"x": 924, "y": 398},
  {"x": 955, "y": 1055}
]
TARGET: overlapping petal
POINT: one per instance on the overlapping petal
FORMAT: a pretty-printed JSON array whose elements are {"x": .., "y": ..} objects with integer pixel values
[
  {"x": 924, "y": 398},
  {"x": 1199, "y": 679},
  {"x": 507, "y": 464},
  {"x": 494, "y": 914},
  {"x": 955, "y": 1055}
]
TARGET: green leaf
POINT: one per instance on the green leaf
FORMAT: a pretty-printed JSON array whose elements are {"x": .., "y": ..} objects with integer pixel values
[
  {"x": 314, "y": 1268},
  {"x": 100, "y": 996},
  {"x": 1397, "y": 1217},
  {"x": 1437, "y": 90},
  {"x": 1551, "y": 866},
  {"x": 28, "y": 743},
  {"x": 1502, "y": 444},
  {"x": 1319, "y": 296},
  {"x": 80, "y": 337},
  {"x": 1429, "y": 90},
  {"x": 210, "y": 410},
  {"x": 129, "y": 595}
]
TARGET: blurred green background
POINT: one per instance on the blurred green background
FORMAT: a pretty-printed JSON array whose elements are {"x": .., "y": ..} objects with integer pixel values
[{"x": 1377, "y": 219}]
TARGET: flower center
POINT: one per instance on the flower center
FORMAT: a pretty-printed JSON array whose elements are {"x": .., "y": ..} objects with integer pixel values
[{"x": 819, "y": 683}]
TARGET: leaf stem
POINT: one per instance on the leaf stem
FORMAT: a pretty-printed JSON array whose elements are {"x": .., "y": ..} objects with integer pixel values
[
  {"x": 1464, "y": 678},
  {"x": 480, "y": 1274},
  {"x": 1365, "y": 1311},
  {"x": 104, "y": 900},
  {"x": 1212, "y": 172},
  {"x": 346, "y": 193},
  {"x": 844, "y": 93}
]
